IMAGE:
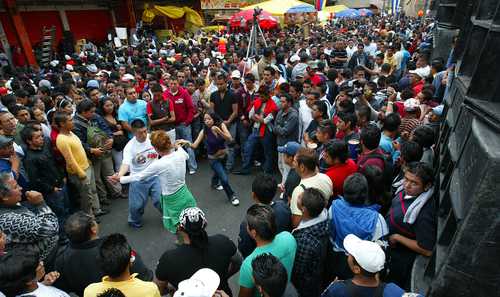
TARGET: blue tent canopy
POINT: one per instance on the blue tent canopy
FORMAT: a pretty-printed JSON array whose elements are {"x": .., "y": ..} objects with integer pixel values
[
  {"x": 365, "y": 12},
  {"x": 301, "y": 8},
  {"x": 348, "y": 13}
]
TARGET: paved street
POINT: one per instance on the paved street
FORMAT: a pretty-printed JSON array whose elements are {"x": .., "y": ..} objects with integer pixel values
[{"x": 152, "y": 240}]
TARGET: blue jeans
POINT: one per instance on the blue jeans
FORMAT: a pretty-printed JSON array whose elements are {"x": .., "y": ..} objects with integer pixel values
[
  {"x": 267, "y": 145},
  {"x": 220, "y": 176},
  {"x": 138, "y": 194},
  {"x": 230, "y": 147},
  {"x": 59, "y": 203},
  {"x": 243, "y": 133},
  {"x": 184, "y": 132}
]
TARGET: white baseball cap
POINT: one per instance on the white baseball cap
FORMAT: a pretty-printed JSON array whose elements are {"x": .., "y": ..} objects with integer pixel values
[
  {"x": 127, "y": 77},
  {"x": 236, "y": 74},
  {"x": 369, "y": 255},
  {"x": 422, "y": 72},
  {"x": 203, "y": 283},
  {"x": 411, "y": 104},
  {"x": 294, "y": 58}
]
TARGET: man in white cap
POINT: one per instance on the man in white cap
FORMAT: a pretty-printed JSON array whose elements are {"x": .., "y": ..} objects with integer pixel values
[
  {"x": 411, "y": 119},
  {"x": 203, "y": 283},
  {"x": 365, "y": 259}
]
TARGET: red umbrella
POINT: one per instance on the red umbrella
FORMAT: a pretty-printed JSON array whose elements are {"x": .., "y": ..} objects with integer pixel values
[{"x": 244, "y": 19}]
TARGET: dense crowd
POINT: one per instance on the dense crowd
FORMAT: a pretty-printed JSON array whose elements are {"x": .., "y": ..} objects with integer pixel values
[{"x": 347, "y": 115}]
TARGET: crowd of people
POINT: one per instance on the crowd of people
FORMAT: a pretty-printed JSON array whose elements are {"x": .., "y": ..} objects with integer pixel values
[{"x": 342, "y": 123}]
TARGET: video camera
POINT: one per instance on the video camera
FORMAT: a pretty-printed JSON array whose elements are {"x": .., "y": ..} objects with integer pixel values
[{"x": 256, "y": 12}]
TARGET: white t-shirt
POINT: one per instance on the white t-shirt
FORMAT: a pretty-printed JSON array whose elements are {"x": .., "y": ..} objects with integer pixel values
[
  {"x": 371, "y": 49},
  {"x": 319, "y": 181},
  {"x": 46, "y": 291},
  {"x": 170, "y": 169},
  {"x": 138, "y": 155},
  {"x": 305, "y": 117}
]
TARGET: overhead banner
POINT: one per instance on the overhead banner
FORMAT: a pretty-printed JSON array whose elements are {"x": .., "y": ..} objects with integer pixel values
[{"x": 226, "y": 4}]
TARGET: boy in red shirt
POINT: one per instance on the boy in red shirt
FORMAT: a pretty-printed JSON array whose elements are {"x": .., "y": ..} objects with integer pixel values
[{"x": 337, "y": 157}]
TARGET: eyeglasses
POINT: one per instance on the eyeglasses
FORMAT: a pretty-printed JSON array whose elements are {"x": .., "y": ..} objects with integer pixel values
[{"x": 131, "y": 93}]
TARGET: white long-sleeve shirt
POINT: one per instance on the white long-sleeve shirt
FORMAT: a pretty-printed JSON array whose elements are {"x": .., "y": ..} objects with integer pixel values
[{"x": 170, "y": 169}]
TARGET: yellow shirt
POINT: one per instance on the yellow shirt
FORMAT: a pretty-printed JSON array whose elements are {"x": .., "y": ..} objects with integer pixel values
[
  {"x": 391, "y": 61},
  {"x": 132, "y": 287},
  {"x": 72, "y": 150}
]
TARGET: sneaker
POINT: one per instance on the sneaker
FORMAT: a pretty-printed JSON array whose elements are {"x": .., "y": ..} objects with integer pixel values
[
  {"x": 235, "y": 201},
  {"x": 135, "y": 225},
  {"x": 256, "y": 163},
  {"x": 191, "y": 172},
  {"x": 217, "y": 187},
  {"x": 101, "y": 212}
]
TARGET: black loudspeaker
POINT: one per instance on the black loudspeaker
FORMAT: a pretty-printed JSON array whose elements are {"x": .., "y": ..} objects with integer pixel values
[{"x": 466, "y": 259}]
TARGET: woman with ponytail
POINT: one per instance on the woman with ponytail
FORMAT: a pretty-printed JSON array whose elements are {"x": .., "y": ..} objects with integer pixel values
[
  {"x": 171, "y": 170},
  {"x": 197, "y": 250}
]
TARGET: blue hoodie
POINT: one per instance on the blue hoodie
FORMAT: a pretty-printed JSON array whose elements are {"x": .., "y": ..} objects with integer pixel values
[{"x": 346, "y": 218}]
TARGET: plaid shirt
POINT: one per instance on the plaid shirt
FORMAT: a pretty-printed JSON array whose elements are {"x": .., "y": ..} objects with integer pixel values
[{"x": 312, "y": 242}]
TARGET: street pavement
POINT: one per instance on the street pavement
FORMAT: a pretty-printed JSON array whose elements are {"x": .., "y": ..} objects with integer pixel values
[{"x": 152, "y": 239}]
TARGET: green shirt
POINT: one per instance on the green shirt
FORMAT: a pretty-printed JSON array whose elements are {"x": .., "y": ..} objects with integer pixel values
[{"x": 282, "y": 247}]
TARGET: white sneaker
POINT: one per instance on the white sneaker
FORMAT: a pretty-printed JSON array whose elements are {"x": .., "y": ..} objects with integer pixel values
[
  {"x": 219, "y": 188},
  {"x": 256, "y": 163},
  {"x": 235, "y": 201},
  {"x": 191, "y": 172}
]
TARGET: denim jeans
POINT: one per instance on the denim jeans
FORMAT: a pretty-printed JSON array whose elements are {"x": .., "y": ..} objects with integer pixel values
[
  {"x": 184, "y": 132},
  {"x": 117, "y": 159},
  {"x": 283, "y": 167},
  {"x": 138, "y": 197},
  {"x": 230, "y": 147},
  {"x": 267, "y": 144},
  {"x": 59, "y": 203},
  {"x": 220, "y": 176},
  {"x": 243, "y": 133}
]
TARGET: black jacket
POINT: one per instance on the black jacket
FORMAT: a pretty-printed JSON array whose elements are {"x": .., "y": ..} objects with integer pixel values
[
  {"x": 43, "y": 174},
  {"x": 79, "y": 267}
]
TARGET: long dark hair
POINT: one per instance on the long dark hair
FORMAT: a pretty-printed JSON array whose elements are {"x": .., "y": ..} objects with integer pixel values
[
  {"x": 100, "y": 108},
  {"x": 216, "y": 118}
]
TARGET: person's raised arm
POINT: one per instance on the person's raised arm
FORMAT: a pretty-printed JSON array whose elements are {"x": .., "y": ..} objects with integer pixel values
[
  {"x": 224, "y": 132},
  {"x": 198, "y": 140},
  {"x": 151, "y": 170}
]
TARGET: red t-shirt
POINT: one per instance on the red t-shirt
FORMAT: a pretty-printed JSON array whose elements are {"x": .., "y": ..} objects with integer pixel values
[
  {"x": 338, "y": 173},
  {"x": 417, "y": 88}
]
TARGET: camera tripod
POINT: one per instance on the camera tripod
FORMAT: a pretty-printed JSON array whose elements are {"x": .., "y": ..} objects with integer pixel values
[{"x": 255, "y": 33}]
